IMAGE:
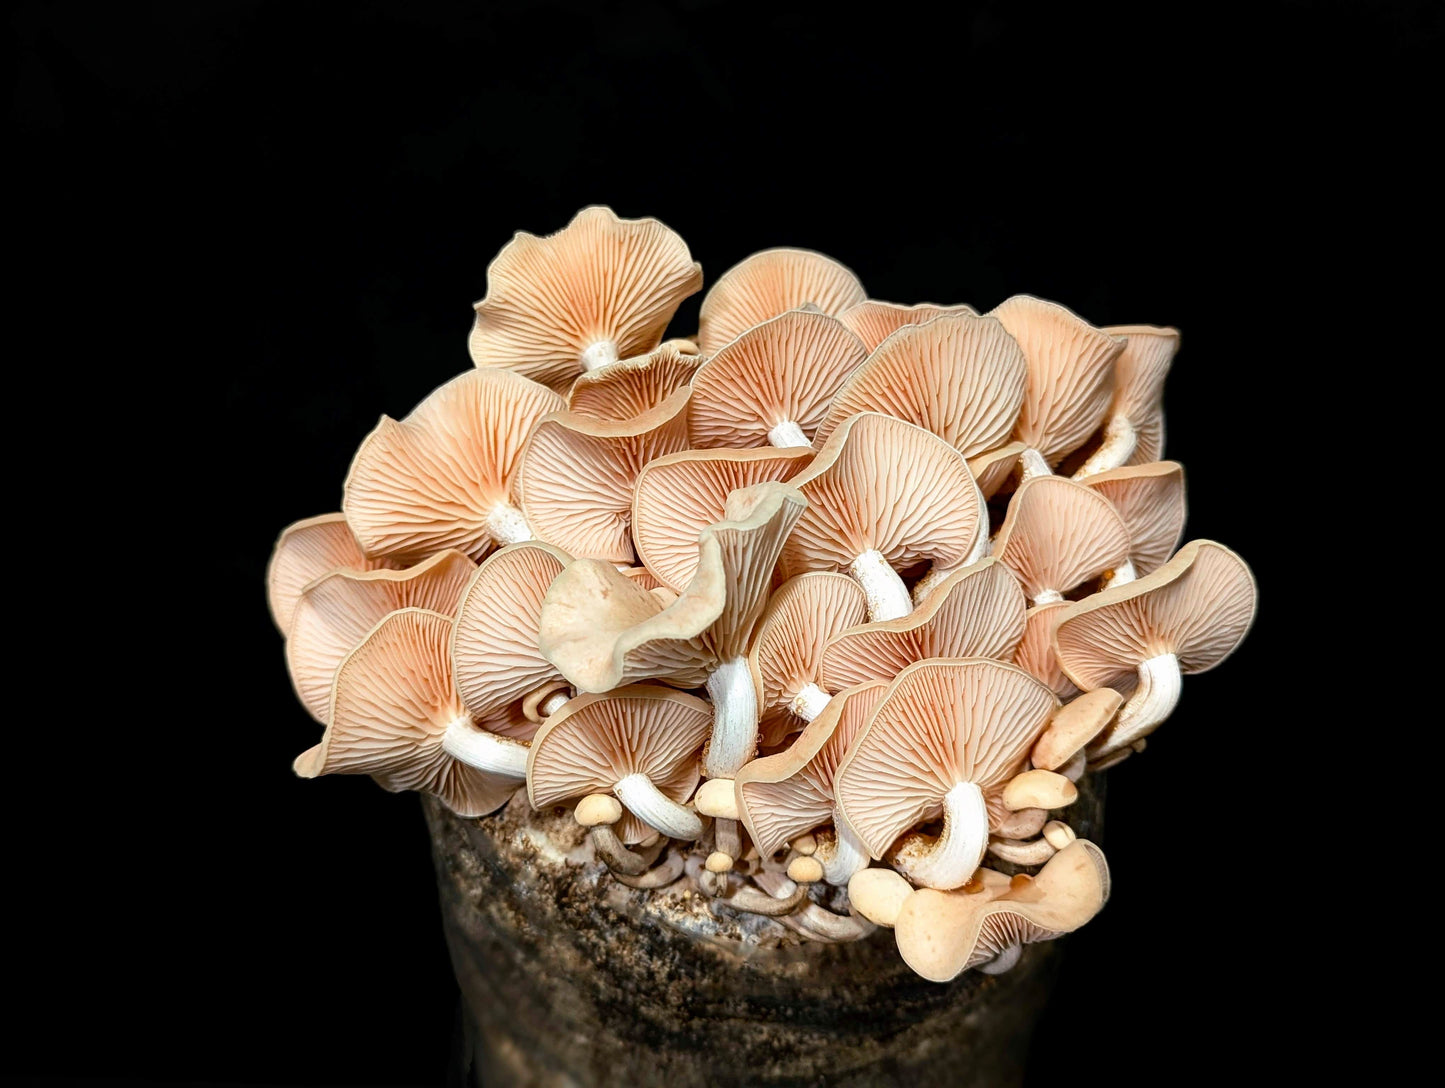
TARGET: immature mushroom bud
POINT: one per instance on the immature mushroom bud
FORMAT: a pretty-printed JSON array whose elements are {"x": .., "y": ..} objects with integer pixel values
[
  {"x": 631, "y": 387},
  {"x": 772, "y": 385},
  {"x": 878, "y": 895},
  {"x": 960, "y": 376},
  {"x": 769, "y": 283},
  {"x": 392, "y": 705},
  {"x": 1073, "y": 726},
  {"x": 1035, "y": 654},
  {"x": 339, "y": 609},
  {"x": 947, "y": 733},
  {"x": 1057, "y": 535},
  {"x": 873, "y": 321},
  {"x": 787, "y": 648},
  {"x": 678, "y": 496},
  {"x": 1185, "y": 618},
  {"x": 1150, "y": 500},
  {"x": 599, "y": 290},
  {"x": 976, "y": 612},
  {"x": 781, "y": 796},
  {"x": 1039, "y": 789},
  {"x": 1134, "y": 431},
  {"x": 305, "y": 551},
  {"x": 443, "y": 476},
  {"x": 1071, "y": 378},
  {"x": 576, "y": 476},
  {"x": 884, "y": 495},
  {"x": 640, "y": 742}
]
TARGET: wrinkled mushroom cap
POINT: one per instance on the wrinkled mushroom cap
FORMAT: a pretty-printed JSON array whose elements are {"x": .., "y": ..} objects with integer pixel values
[
  {"x": 595, "y": 741},
  {"x": 626, "y": 389},
  {"x": 600, "y": 278},
  {"x": 431, "y": 481},
  {"x": 1150, "y": 500},
  {"x": 1058, "y": 534},
  {"x": 960, "y": 376},
  {"x": 1198, "y": 606},
  {"x": 975, "y": 612},
  {"x": 1139, "y": 374},
  {"x": 769, "y": 283},
  {"x": 873, "y": 321},
  {"x": 305, "y": 551},
  {"x": 941, "y": 722},
  {"x": 786, "y": 369}
]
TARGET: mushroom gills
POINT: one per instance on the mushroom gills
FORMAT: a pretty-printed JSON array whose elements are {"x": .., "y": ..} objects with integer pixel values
[
  {"x": 735, "y": 718},
  {"x": 954, "y": 855},
  {"x": 655, "y": 809},
  {"x": 485, "y": 751},
  {"x": 1153, "y": 701},
  {"x": 885, "y": 592},
  {"x": 506, "y": 524}
]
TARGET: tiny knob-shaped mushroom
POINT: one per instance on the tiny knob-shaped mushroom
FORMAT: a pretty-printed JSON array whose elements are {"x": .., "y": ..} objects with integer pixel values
[
  {"x": 805, "y": 870},
  {"x": 597, "y": 809},
  {"x": 717, "y": 798},
  {"x": 878, "y": 894},
  {"x": 1059, "y": 834},
  {"x": 1039, "y": 789}
]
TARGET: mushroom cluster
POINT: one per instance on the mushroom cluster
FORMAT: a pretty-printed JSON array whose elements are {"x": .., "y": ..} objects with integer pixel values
[{"x": 826, "y": 608}]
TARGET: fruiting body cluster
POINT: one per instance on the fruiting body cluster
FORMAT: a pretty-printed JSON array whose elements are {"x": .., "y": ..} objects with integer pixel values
[{"x": 736, "y": 597}]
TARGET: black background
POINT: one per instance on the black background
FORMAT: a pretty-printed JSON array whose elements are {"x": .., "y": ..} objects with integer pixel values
[{"x": 248, "y": 229}]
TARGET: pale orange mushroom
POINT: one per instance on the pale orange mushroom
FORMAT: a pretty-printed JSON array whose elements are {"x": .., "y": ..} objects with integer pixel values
[
  {"x": 599, "y": 290},
  {"x": 873, "y": 320},
  {"x": 992, "y": 469},
  {"x": 1057, "y": 535},
  {"x": 1134, "y": 431},
  {"x": 1150, "y": 500},
  {"x": 443, "y": 476},
  {"x": 625, "y": 390},
  {"x": 305, "y": 551},
  {"x": 1035, "y": 653},
  {"x": 768, "y": 283}
]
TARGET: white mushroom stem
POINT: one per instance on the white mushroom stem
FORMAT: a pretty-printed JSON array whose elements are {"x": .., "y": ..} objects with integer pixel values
[
  {"x": 842, "y": 855},
  {"x": 1031, "y": 852},
  {"x": 506, "y": 525},
  {"x": 982, "y": 545},
  {"x": 650, "y": 805},
  {"x": 1033, "y": 464},
  {"x": 809, "y": 702},
  {"x": 788, "y": 433},
  {"x": 552, "y": 704},
  {"x": 1117, "y": 447},
  {"x": 954, "y": 855},
  {"x": 1123, "y": 574},
  {"x": 734, "y": 718},
  {"x": 1153, "y": 700},
  {"x": 485, "y": 751},
  {"x": 820, "y": 924},
  {"x": 1003, "y": 961},
  {"x": 1048, "y": 596},
  {"x": 885, "y": 592},
  {"x": 598, "y": 355}
]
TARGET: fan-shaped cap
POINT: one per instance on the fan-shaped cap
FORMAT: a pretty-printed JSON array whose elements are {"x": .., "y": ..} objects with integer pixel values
[
  {"x": 1073, "y": 726},
  {"x": 601, "y": 629},
  {"x": 883, "y": 484},
  {"x": 769, "y": 283},
  {"x": 992, "y": 469},
  {"x": 781, "y": 796},
  {"x": 600, "y": 280},
  {"x": 494, "y": 649},
  {"x": 679, "y": 495},
  {"x": 873, "y": 321},
  {"x": 628, "y": 388},
  {"x": 941, "y": 722},
  {"x": 437, "y": 479},
  {"x": 596, "y": 741},
  {"x": 1150, "y": 500},
  {"x": 1139, "y": 374},
  {"x": 785, "y": 370},
  {"x": 577, "y": 473},
  {"x": 975, "y": 612},
  {"x": 1198, "y": 606},
  {"x": 339, "y": 609},
  {"x": 391, "y": 703},
  {"x": 305, "y": 551},
  {"x": 787, "y": 650},
  {"x": 1071, "y": 374},
  {"x": 1057, "y": 535},
  {"x": 1035, "y": 653},
  {"x": 942, "y": 934},
  {"x": 960, "y": 376}
]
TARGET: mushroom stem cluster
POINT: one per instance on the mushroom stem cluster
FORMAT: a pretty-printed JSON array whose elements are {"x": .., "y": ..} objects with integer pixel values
[{"x": 734, "y": 598}]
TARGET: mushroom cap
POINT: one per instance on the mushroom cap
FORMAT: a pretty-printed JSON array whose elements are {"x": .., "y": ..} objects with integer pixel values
[
  {"x": 873, "y": 320},
  {"x": 601, "y": 629},
  {"x": 960, "y": 376},
  {"x": 430, "y": 481},
  {"x": 1058, "y": 534},
  {"x": 992, "y": 469},
  {"x": 595, "y": 741},
  {"x": 576, "y": 476},
  {"x": 771, "y": 282},
  {"x": 1198, "y": 606},
  {"x": 1035, "y": 654},
  {"x": 787, "y": 649},
  {"x": 974, "y": 612},
  {"x": 599, "y": 278},
  {"x": 878, "y": 894},
  {"x": 339, "y": 609},
  {"x": 783, "y": 795},
  {"x": 391, "y": 703},
  {"x": 941, "y": 722},
  {"x": 494, "y": 648},
  {"x": 1073, "y": 726},
  {"x": 679, "y": 495},
  {"x": 942, "y": 934},
  {"x": 305, "y": 551},
  {"x": 1150, "y": 500},
  {"x": 626, "y": 389},
  {"x": 1071, "y": 374},
  {"x": 1139, "y": 374},
  {"x": 882, "y": 483},
  {"x": 786, "y": 369}
]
